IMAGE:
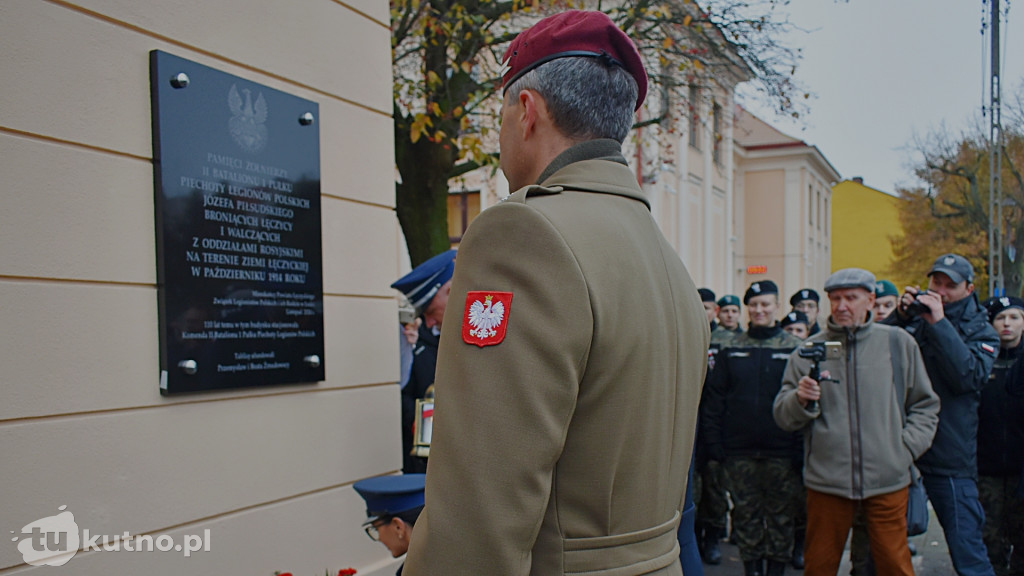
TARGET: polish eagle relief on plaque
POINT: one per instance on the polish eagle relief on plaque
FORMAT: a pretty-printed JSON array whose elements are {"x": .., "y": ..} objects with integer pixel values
[{"x": 247, "y": 124}]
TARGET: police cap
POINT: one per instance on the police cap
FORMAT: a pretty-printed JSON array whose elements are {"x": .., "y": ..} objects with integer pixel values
[
  {"x": 391, "y": 495},
  {"x": 958, "y": 268},
  {"x": 420, "y": 285}
]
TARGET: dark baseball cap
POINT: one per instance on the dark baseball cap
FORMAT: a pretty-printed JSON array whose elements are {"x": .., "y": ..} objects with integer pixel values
[
  {"x": 958, "y": 268},
  {"x": 574, "y": 33}
]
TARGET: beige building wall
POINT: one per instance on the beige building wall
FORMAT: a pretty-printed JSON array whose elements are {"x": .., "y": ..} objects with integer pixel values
[
  {"x": 783, "y": 211},
  {"x": 691, "y": 194},
  {"x": 268, "y": 471}
]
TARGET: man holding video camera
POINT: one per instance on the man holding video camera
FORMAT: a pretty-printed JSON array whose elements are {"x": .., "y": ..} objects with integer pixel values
[
  {"x": 959, "y": 347},
  {"x": 859, "y": 439}
]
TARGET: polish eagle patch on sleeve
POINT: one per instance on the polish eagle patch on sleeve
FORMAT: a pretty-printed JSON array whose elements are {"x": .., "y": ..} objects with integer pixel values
[{"x": 486, "y": 317}]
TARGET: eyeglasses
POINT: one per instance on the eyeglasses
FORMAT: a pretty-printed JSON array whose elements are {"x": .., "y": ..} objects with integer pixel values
[{"x": 373, "y": 530}]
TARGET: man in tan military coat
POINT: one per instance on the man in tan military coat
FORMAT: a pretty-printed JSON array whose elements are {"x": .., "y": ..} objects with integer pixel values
[{"x": 574, "y": 345}]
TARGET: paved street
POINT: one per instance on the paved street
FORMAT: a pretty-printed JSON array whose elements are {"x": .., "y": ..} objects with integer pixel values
[{"x": 932, "y": 558}]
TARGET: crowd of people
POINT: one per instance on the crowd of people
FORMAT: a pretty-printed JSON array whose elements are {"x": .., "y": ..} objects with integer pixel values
[
  {"x": 918, "y": 379},
  {"x": 576, "y": 437},
  {"x": 798, "y": 460}
]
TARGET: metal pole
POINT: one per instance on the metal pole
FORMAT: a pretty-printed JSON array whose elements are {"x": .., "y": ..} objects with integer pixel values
[{"x": 995, "y": 194}]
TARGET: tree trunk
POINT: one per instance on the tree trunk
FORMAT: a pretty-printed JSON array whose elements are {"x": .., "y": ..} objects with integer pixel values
[{"x": 421, "y": 198}]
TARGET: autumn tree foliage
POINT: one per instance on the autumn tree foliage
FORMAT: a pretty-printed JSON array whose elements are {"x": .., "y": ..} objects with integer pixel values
[
  {"x": 447, "y": 53},
  {"x": 951, "y": 213}
]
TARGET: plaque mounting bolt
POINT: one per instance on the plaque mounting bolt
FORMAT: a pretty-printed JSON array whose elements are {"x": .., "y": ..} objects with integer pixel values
[
  {"x": 189, "y": 367},
  {"x": 180, "y": 80},
  {"x": 313, "y": 361},
  {"x": 306, "y": 118}
]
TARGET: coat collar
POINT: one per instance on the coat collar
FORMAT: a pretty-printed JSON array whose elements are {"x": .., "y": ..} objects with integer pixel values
[
  {"x": 868, "y": 324},
  {"x": 594, "y": 166}
]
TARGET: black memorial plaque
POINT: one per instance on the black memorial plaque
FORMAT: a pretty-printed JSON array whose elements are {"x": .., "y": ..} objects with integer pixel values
[{"x": 239, "y": 263}]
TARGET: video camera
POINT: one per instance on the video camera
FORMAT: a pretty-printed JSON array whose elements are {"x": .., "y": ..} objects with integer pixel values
[
  {"x": 916, "y": 308},
  {"x": 818, "y": 352},
  {"x": 406, "y": 312}
]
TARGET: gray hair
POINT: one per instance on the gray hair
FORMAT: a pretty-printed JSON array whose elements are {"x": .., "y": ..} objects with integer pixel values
[{"x": 588, "y": 99}]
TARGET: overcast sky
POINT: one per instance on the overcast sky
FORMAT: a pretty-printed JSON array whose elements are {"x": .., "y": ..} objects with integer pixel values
[{"x": 885, "y": 70}]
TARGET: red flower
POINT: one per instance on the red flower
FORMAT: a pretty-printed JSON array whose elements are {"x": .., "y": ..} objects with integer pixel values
[{"x": 347, "y": 572}]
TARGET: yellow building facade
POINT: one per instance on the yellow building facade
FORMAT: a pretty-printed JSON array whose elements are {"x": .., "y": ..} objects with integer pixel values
[{"x": 864, "y": 220}]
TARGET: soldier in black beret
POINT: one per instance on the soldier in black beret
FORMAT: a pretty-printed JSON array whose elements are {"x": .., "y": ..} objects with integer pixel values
[
  {"x": 797, "y": 324},
  {"x": 707, "y": 298},
  {"x": 806, "y": 300},
  {"x": 1001, "y": 443},
  {"x": 760, "y": 460}
]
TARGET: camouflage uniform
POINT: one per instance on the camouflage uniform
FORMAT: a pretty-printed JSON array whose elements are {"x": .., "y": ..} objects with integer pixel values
[
  {"x": 761, "y": 462},
  {"x": 1004, "y": 512},
  {"x": 713, "y": 502},
  {"x": 764, "y": 490}
]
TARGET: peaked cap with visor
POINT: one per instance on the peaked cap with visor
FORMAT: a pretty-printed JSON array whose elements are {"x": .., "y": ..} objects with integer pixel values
[{"x": 574, "y": 33}]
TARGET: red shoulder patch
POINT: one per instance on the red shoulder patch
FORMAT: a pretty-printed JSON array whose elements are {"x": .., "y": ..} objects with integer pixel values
[{"x": 486, "y": 317}]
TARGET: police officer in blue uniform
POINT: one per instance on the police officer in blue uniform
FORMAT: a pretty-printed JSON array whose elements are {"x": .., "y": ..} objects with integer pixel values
[
  {"x": 427, "y": 288},
  {"x": 393, "y": 503}
]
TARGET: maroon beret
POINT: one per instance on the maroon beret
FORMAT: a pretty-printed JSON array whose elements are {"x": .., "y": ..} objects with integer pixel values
[{"x": 573, "y": 33}]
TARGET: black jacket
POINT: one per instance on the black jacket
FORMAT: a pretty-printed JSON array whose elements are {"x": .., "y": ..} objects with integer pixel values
[
  {"x": 958, "y": 352},
  {"x": 737, "y": 408},
  {"x": 424, "y": 364},
  {"x": 1001, "y": 426}
]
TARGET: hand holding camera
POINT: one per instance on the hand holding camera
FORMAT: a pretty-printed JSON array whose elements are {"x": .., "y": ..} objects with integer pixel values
[
  {"x": 808, "y": 388},
  {"x": 925, "y": 303}
]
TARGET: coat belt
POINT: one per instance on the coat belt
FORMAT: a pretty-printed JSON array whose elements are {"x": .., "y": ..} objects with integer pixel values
[{"x": 637, "y": 552}]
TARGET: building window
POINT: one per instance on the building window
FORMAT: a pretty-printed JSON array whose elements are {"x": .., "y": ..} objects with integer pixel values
[
  {"x": 810, "y": 206},
  {"x": 828, "y": 216},
  {"x": 694, "y": 105},
  {"x": 463, "y": 207},
  {"x": 818, "y": 207},
  {"x": 716, "y": 118}
]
